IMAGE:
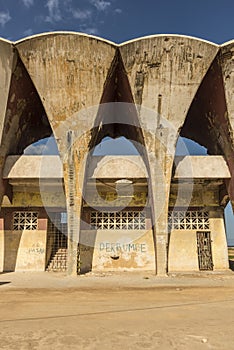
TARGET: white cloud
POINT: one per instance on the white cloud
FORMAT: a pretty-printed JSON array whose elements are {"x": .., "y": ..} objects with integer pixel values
[
  {"x": 45, "y": 146},
  {"x": 91, "y": 30},
  {"x": 118, "y": 11},
  {"x": 54, "y": 11},
  {"x": 101, "y": 5},
  {"x": 82, "y": 14},
  {"x": 4, "y": 18},
  {"x": 28, "y": 32},
  {"x": 28, "y": 3},
  {"x": 35, "y": 149}
]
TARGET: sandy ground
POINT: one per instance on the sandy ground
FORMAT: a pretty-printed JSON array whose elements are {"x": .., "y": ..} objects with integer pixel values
[{"x": 116, "y": 311}]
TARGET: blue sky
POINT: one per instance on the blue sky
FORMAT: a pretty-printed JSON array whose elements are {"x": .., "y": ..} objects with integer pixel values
[{"x": 119, "y": 20}]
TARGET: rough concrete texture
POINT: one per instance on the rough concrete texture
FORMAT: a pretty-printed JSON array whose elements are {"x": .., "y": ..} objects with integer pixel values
[{"x": 70, "y": 72}]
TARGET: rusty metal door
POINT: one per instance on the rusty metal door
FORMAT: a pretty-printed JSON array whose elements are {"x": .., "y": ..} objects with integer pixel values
[{"x": 204, "y": 250}]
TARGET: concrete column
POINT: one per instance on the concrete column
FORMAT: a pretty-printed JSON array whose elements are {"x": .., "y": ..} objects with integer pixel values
[{"x": 160, "y": 187}]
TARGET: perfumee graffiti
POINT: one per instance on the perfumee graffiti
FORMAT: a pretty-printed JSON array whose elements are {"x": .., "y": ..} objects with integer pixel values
[{"x": 122, "y": 248}]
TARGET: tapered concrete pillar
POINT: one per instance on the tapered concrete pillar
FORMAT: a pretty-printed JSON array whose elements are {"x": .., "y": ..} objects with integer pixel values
[
  {"x": 69, "y": 72},
  {"x": 164, "y": 73}
]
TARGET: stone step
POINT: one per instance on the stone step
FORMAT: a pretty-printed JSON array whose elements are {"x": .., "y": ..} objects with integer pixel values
[{"x": 59, "y": 261}]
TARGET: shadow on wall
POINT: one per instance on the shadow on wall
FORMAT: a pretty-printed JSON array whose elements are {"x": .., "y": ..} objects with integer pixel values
[
  {"x": 231, "y": 264},
  {"x": 11, "y": 246},
  {"x": 87, "y": 251}
]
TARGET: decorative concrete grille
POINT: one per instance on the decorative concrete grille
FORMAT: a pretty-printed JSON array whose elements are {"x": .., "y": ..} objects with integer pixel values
[
  {"x": 25, "y": 220},
  {"x": 188, "y": 220},
  {"x": 123, "y": 220}
]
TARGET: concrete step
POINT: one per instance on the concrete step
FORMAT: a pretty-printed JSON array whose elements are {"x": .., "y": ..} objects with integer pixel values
[{"x": 58, "y": 261}]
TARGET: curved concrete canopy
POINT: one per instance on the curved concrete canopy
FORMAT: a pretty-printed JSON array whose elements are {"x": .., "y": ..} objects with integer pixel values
[
  {"x": 167, "y": 35},
  {"x": 69, "y": 71},
  {"x": 170, "y": 67},
  {"x": 30, "y": 37},
  {"x": 227, "y": 43},
  {"x": 112, "y": 42}
]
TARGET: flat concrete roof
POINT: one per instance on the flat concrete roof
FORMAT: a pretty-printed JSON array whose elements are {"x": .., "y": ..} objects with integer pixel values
[{"x": 50, "y": 167}]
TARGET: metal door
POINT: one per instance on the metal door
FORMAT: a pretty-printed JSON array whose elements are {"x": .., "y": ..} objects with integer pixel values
[{"x": 204, "y": 250}]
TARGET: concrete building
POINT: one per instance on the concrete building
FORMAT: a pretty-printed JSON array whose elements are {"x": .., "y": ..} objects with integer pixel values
[{"x": 152, "y": 211}]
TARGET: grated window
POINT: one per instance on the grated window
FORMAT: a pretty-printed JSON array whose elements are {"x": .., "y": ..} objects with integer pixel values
[
  {"x": 188, "y": 220},
  {"x": 123, "y": 220},
  {"x": 25, "y": 220}
]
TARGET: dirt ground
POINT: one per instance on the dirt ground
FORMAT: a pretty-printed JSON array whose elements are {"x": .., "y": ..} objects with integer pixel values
[{"x": 116, "y": 311}]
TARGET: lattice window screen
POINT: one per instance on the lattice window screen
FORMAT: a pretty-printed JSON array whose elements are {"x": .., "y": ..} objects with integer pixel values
[
  {"x": 25, "y": 220},
  {"x": 188, "y": 220},
  {"x": 123, "y": 220}
]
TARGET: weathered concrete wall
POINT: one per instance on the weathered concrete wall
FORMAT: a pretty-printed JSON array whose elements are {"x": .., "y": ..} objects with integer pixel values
[
  {"x": 48, "y": 199},
  {"x": 32, "y": 251},
  {"x": 194, "y": 195},
  {"x": 25, "y": 251},
  {"x": 182, "y": 255},
  {"x": 219, "y": 241},
  {"x": 118, "y": 250}
]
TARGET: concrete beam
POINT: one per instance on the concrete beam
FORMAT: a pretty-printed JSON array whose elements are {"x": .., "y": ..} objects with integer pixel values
[{"x": 114, "y": 167}]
